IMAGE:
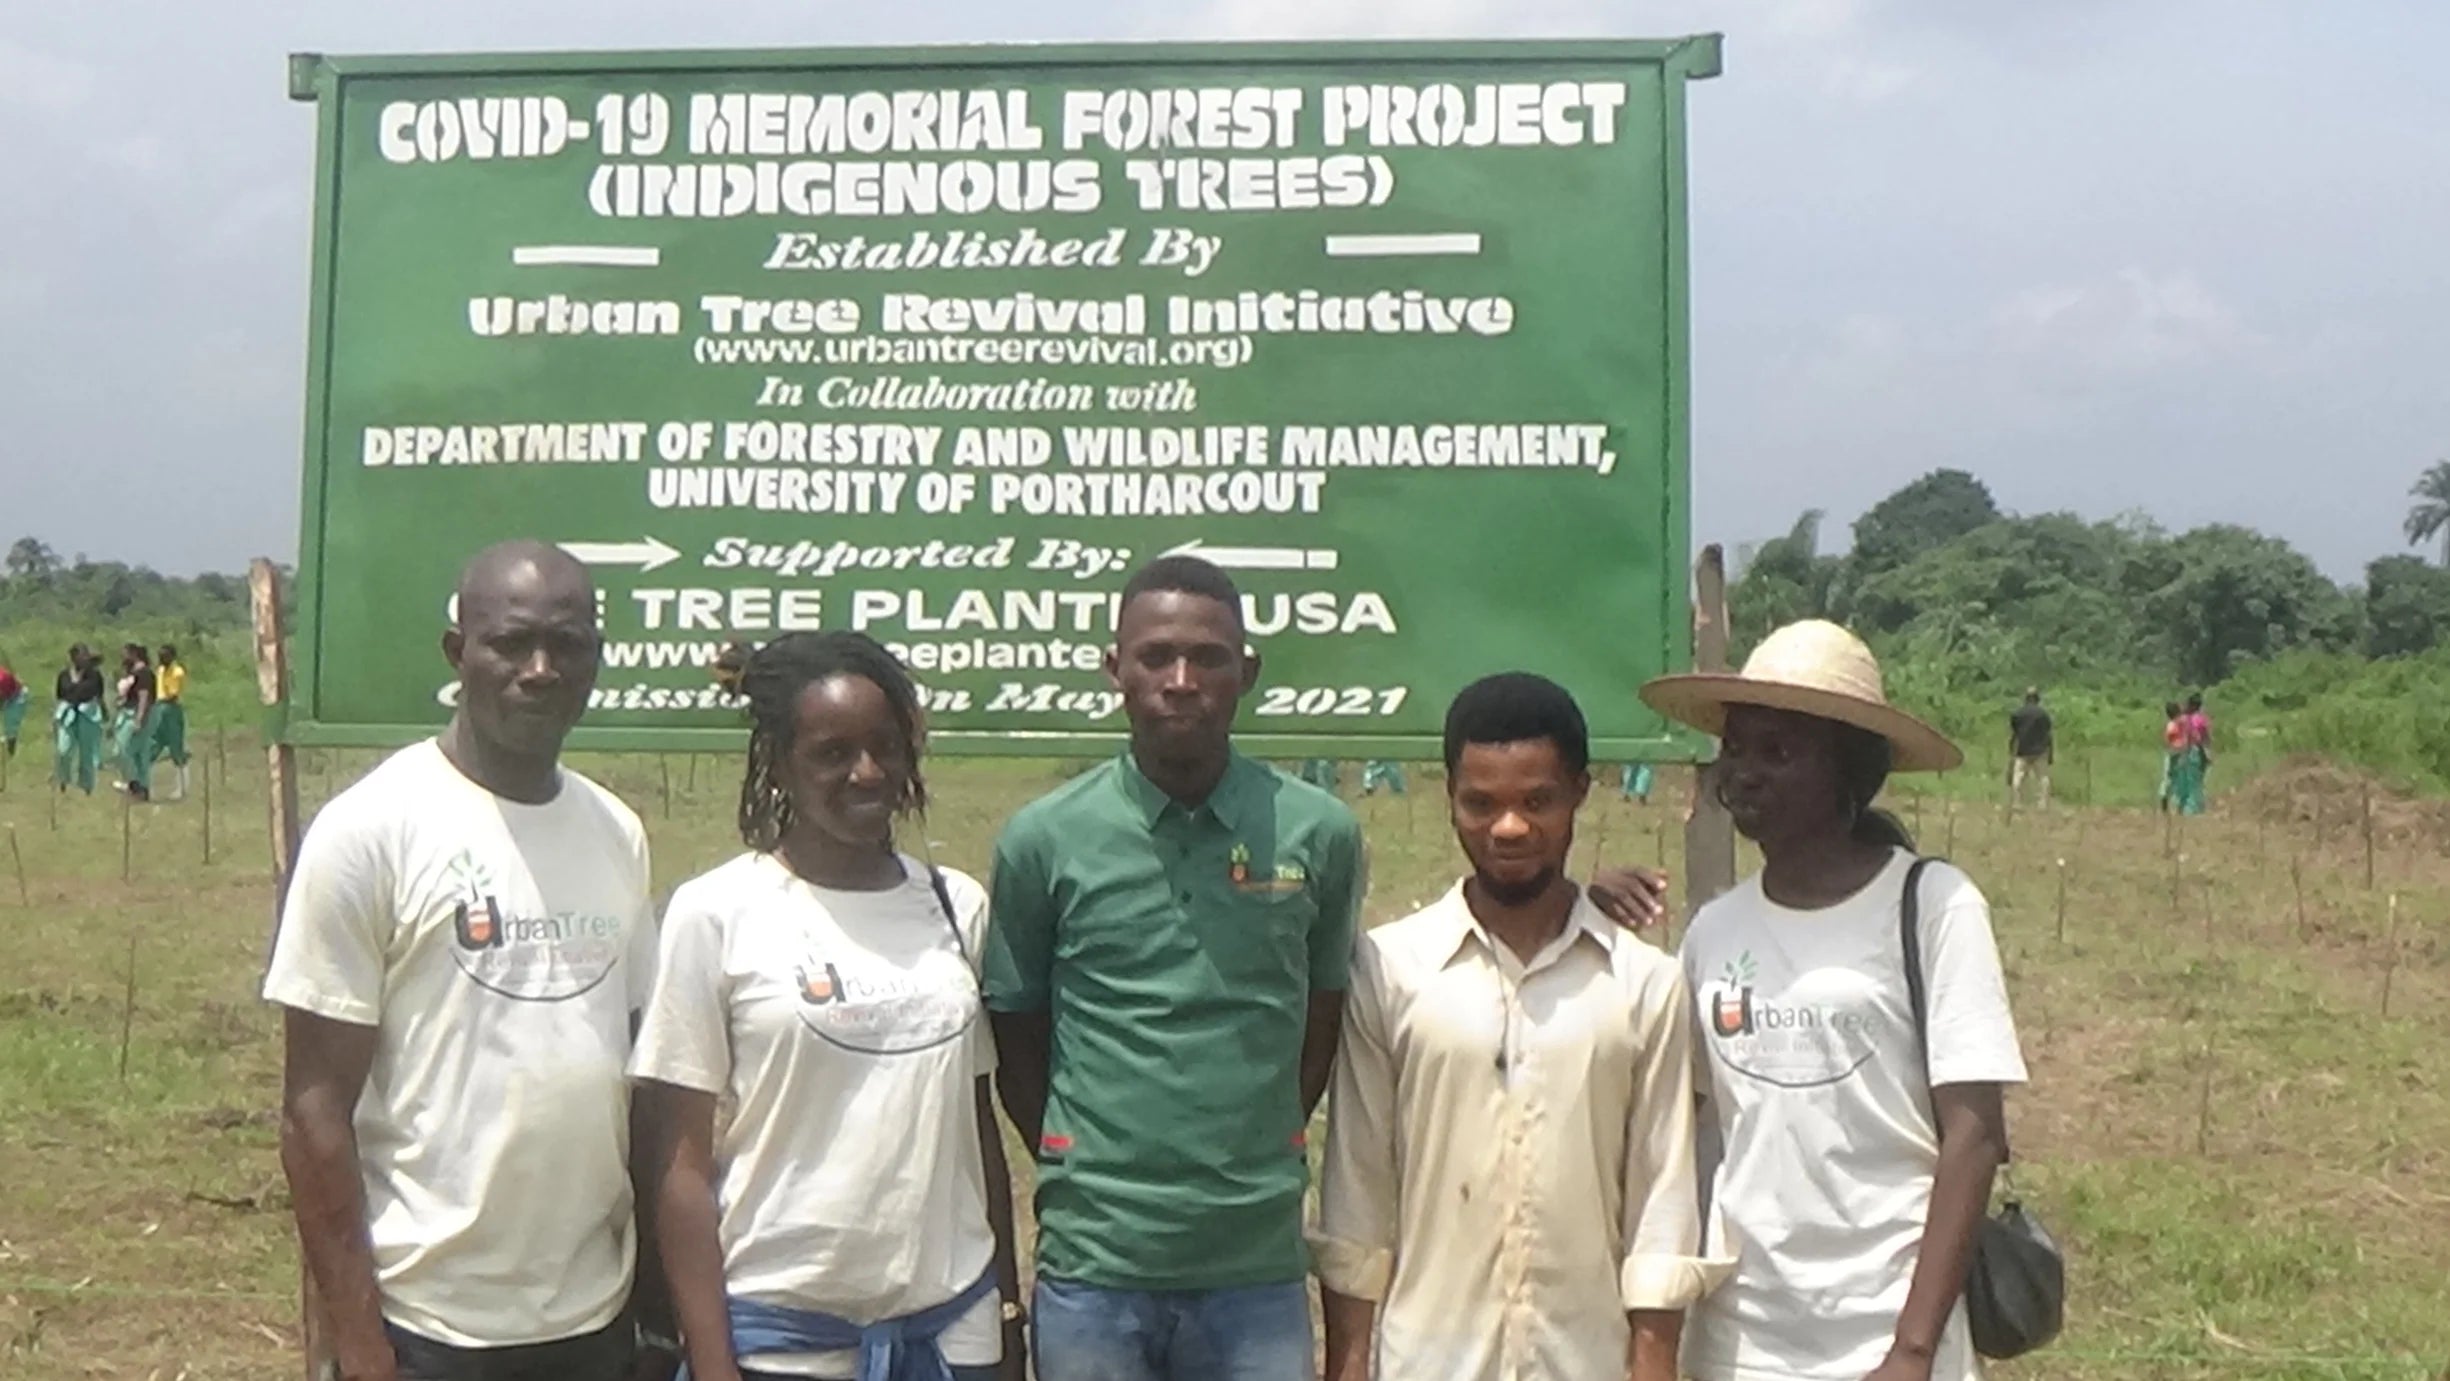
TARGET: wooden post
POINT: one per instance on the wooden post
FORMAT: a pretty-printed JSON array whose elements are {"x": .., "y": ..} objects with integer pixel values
[
  {"x": 2203, "y": 1106},
  {"x": 281, "y": 759},
  {"x": 1709, "y": 832},
  {"x": 664, "y": 764},
  {"x": 1951, "y": 850},
  {"x": 2390, "y": 953},
  {"x": 2062, "y": 901},
  {"x": 2368, "y": 825},
  {"x": 2296, "y": 882},
  {"x": 206, "y": 776},
  {"x": 127, "y": 1011},
  {"x": 127, "y": 837},
  {"x": 23, "y": 899}
]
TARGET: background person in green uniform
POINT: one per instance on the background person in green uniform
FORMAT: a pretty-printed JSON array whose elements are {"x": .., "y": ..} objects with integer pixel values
[
  {"x": 76, "y": 722},
  {"x": 1166, "y": 967},
  {"x": 134, "y": 744},
  {"x": 13, "y": 702},
  {"x": 170, "y": 715}
]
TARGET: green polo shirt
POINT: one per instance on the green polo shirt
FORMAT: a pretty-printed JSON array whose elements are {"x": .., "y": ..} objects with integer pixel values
[{"x": 1177, "y": 950}]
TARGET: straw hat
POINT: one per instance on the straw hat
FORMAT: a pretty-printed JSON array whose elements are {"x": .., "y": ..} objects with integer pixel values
[{"x": 1815, "y": 668}]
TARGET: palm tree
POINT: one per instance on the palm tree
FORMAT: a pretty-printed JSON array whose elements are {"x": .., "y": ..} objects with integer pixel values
[{"x": 2430, "y": 517}]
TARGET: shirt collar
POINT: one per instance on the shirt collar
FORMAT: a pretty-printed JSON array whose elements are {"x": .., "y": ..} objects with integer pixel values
[
  {"x": 1227, "y": 802},
  {"x": 1457, "y": 928}
]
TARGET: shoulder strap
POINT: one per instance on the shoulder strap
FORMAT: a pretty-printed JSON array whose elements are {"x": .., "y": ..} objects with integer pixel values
[
  {"x": 944, "y": 898},
  {"x": 1910, "y": 928}
]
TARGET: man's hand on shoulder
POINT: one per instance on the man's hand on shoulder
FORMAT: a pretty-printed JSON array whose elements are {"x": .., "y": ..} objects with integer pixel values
[{"x": 1632, "y": 896}]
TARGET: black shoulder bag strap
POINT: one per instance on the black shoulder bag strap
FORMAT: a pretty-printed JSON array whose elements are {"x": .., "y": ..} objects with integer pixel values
[
  {"x": 944, "y": 898},
  {"x": 1910, "y": 930}
]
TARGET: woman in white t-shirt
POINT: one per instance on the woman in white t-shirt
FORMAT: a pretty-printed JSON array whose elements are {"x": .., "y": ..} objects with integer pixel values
[
  {"x": 1852, "y": 1178},
  {"x": 830, "y": 1188}
]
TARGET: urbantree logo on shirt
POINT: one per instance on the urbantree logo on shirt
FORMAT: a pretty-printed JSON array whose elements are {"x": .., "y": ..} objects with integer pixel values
[
  {"x": 861, "y": 1004},
  {"x": 528, "y": 958},
  {"x": 1791, "y": 1043}
]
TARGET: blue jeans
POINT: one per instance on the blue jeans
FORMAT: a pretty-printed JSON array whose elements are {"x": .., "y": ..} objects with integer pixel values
[{"x": 1089, "y": 1333}]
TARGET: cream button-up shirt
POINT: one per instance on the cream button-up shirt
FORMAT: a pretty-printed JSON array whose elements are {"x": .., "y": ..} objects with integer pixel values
[{"x": 1510, "y": 1163}]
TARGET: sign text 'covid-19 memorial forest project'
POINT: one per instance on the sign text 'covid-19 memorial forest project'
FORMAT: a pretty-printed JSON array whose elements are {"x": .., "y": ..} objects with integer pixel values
[{"x": 941, "y": 344}]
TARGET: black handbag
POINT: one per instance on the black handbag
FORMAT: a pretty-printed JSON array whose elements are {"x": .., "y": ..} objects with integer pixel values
[{"x": 2016, "y": 1286}]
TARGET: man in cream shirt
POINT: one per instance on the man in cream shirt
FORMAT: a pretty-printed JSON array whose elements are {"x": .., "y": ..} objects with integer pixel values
[{"x": 1509, "y": 1189}]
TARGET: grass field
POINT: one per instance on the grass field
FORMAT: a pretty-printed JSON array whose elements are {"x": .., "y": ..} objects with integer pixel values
[{"x": 2239, "y": 1121}]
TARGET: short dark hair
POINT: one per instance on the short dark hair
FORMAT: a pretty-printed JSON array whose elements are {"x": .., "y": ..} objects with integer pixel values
[
  {"x": 1516, "y": 707},
  {"x": 1183, "y": 575},
  {"x": 772, "y": 682},
  {"x": 2195, "y": 701}
]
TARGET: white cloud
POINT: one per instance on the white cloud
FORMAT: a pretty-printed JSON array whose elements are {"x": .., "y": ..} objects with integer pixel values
[
  {"x": 36, "y": 79},
  {"x": 2134, "y": 322}
]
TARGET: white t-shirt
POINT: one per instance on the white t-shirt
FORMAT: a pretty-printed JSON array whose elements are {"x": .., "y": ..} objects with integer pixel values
[
  {"x": 843, "y": 1035},
  {"x": 1816, "y": 1085},
  {"x": 499, "y": 948}
]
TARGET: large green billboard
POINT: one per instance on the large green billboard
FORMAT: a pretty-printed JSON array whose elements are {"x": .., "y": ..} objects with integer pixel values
[{"x": 940, "y": 344}]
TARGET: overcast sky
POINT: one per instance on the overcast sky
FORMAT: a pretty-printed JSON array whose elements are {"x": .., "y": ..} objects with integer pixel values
[{"x": 2188, "y": 257}]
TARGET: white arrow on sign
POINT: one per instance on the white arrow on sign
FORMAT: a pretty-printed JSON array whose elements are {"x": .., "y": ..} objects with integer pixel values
[
  {"x": 1260, "y": 558},
  {"x": 646, "y": 556}
]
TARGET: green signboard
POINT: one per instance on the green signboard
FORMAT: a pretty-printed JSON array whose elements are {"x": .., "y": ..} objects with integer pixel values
[{"x": 941, "y": 344}]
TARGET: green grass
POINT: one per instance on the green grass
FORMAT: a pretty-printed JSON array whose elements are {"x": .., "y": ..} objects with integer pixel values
[{"x": 2285, "y": 1219}]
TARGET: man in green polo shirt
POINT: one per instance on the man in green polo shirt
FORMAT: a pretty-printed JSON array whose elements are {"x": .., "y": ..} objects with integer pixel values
[{"x": 1166, "y": 974}]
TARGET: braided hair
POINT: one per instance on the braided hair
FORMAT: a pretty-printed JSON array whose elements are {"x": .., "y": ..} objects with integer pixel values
[{"x": 772, "y": 681}]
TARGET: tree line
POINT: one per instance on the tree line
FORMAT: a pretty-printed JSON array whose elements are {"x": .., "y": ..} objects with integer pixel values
[{"x": 1938, "y": 569}]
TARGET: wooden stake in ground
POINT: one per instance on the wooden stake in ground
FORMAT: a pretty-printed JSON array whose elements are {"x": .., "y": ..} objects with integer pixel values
[
  {"x": 2203, "y": 1106},
  {"x": 2296, "y": 882},
  {"x": 281, "y": 812},
  {"x": 2390, "y": 954},
  {"x": 127, "y": 1012},
  {"x": 1951, "y": 850},
  {"x": 127, "y": 837},
  {"x": 2368, "y": 826},
  {"x": 665, "y": 764},
  {"x": 207, "y": 778},
  {"x": 20, "y": 860},
  {"x": 2062, "y": 901}
]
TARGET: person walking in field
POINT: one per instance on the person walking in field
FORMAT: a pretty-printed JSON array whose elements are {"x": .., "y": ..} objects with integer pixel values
[
  {"x": 465, "y": 944},
  {"x": 76, "y": 722},
  {"x": 1509, "y": 1179},
  {"x": 1856, "y": 1161},
  {"x": 1165, "y": 974},
  {"x": 2032, "y": 749},
  {"x": 2173, "y": 741},
  {"x": 2199, "y": 742},
  {"x": 169, "y": 736},
  {"x": 2188, "y": 759},
  {"x": 826, "y": 1171},
  {"x": 132, "y": 739},
  {"x": 13, "y": 702}
]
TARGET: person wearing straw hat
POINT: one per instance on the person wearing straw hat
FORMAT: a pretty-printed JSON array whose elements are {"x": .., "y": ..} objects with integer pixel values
[{"x": 1852, "y": 1175}]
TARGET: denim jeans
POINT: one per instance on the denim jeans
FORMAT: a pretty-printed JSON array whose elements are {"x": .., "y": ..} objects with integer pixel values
[
  {"x": 1090, "y": 1333},
  {"x": 604, "y": 1355}
]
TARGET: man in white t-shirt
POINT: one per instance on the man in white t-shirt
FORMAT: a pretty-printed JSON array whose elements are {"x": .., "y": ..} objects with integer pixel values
[{"x": 465, "y": 940}]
